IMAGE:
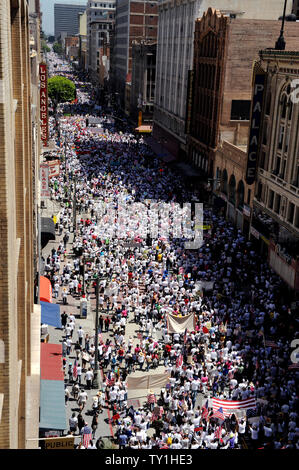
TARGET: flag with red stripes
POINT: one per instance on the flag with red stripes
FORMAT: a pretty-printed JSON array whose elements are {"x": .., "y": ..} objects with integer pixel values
[
  {"x": 151, "y": 398},
  {"x": 110, "y": 381},
  {"x": 179, "y": 361},
  {"x": 205, "y": 410},
  {"x": 294, "y": 366},
  {"x": 218, "y": 414},
  {"x": 218, "y": 432},
  {"x": 230, "y": 406},
  {"x": 86, "y": 438},
  {"x": 75, "y": 370}
]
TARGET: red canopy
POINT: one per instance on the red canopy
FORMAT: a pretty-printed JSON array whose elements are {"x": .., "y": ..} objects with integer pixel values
[
  {"x": 51, "y": 362},
  {"x": 45, "y": 289}
]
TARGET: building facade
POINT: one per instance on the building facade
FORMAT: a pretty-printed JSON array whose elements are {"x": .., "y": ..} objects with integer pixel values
[
  {"x": 19, "y": 376},
  {"x": 222, "y": 72},
  {"x": 82, "y": 40},
  {"x": 136, "y": 20},
  {"x": 66, "y": 19},
  {"x": 175, "y": 48},
  {"x": 100, "y": 23},
  {"x": 143, "y": 81},
  {"x": 275, "y": 220}
]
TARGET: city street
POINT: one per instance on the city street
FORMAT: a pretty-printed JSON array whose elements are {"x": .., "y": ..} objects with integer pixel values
[{"x": 204, "y": 325}]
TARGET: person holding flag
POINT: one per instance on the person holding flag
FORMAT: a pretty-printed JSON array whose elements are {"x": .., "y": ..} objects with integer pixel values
[{"x": 86, "y": 434}]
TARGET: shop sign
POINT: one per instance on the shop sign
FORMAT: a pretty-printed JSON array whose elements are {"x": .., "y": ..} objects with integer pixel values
[
  {"x": 44, "y": 181},
  {"x": 43, "y": 78},
  {"x": 255, "y": 124}
]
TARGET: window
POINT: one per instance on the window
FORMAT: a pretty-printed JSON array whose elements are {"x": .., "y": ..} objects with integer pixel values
[
  {"x": 291, "y": 212},
  {"x": 240, "y": 194},
  {"x": 259, "y": 191},
  {"x": 240, "y": 110},
  {"x": 271, "y": 199},
  {"x": 280, "y": 138},
  {"x": 283, "y": 107},
  {"x": 277, "y": 203},
  {"x": 232, "y": 190}
]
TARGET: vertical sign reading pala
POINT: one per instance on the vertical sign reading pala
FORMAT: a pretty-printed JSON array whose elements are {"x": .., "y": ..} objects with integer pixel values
[
  {"x": 43, "y": 77},
  {"x": 259, "y": 81}
]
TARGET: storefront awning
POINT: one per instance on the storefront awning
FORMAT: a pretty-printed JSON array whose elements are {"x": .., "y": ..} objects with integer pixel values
[
  {"x": 51, "y": 362},
  {"x": 45, "y": 289},
  {"x": 48, "y": 227},
  {"x": 147, "y": 129},
  {"x": 47, "y": 230},
  {"x": 50, "y": 314},
  {"x": 52, "y": 405}
]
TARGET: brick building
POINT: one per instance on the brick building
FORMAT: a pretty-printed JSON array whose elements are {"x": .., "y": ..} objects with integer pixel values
[
  {"x": 218, "y": 120},
  {"x": 135, "y": 20},
  {"x": 175, "y": 48},
  {"x": 19, "y": 375}
]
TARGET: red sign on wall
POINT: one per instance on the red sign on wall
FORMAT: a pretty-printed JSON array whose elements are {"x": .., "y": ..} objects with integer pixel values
[{"x": 43, "y": 77}]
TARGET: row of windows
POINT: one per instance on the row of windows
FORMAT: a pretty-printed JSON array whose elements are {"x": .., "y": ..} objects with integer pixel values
[{"x": 278, "y": 204}]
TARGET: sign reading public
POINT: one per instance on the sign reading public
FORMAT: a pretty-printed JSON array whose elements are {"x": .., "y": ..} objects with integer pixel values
[
  {"x": 59, "y": 443},
  {"x": 255, "y": 124},
  {"x": 43, "y": 78}
]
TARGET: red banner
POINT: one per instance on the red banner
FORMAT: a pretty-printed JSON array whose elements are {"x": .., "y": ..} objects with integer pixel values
[{"x": 43, "y": 77}]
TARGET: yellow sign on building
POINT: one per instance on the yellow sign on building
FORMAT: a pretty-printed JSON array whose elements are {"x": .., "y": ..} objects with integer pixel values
[{"x": 59, "y": 443}]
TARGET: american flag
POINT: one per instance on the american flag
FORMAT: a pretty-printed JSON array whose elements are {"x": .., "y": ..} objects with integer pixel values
[
  {"x": 86, "y": 437},
  {"x": 179, "y": 361},
  {"x": 75, "y": 370},
  {"x": 110, "y": 381},
  {"x": 151, "y": 398},
  {"x": 294, "y": 366},
  {"x": 205, "y": 410},
  {"x": 230, "y": 406},
  {"x": 218, "y": 414},
  {"x": 218, "y": 432},
  {"x": 271, "y": 344}
]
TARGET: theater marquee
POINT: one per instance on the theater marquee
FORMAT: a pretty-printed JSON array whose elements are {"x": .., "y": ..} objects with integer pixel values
[
  {"x": 43, "y": 77},
  {"x": 259, "y": 82}
]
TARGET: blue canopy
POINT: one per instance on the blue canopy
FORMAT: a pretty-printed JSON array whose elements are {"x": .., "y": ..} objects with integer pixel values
[
  {"x": 52, "y": 405},
  {"x": 50, "y": 314}
]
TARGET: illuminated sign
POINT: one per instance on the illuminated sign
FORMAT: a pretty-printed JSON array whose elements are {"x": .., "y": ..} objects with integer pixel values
[
  {"x": 43, "y": 78},
  {"x": 255, "y": 124}
]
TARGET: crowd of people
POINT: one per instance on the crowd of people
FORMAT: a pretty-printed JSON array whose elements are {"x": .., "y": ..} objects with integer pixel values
[{"x": 240, "y": 345}]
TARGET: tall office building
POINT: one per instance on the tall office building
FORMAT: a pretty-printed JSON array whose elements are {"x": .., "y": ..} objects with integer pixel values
[
  {"x": 136, "y": 20},
  {"x": 175, "y": 57},
  {"x": 66, "y": 18}
]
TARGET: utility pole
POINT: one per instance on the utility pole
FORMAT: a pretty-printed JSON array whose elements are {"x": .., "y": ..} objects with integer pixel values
[
  {"x": 95, "y": 379},
  {"x": 74, "y": 207},
  {"x": 83, "y": 273}
]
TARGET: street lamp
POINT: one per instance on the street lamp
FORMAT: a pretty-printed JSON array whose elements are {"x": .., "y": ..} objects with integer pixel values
[{"x": 280, "y": 44}]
